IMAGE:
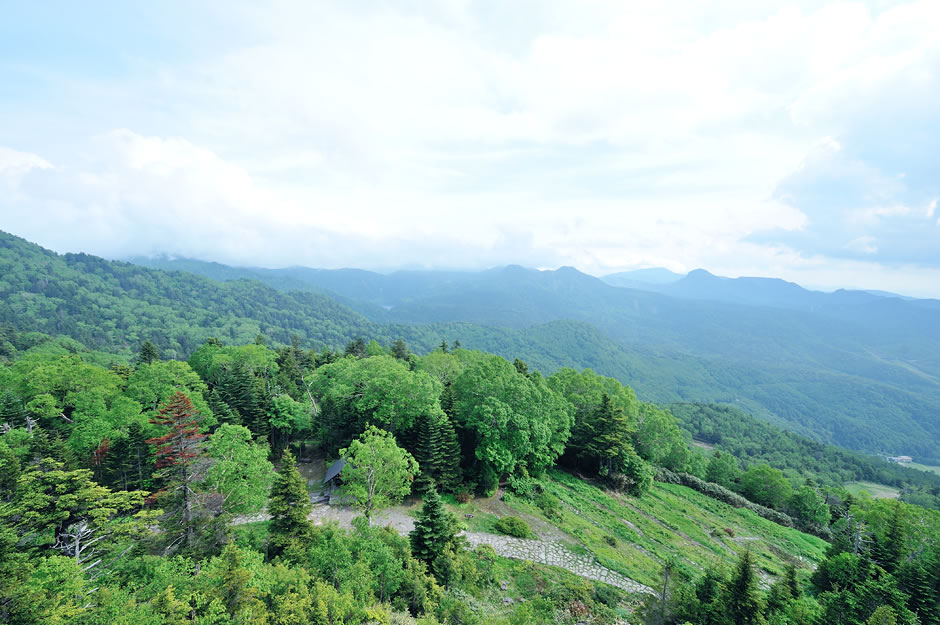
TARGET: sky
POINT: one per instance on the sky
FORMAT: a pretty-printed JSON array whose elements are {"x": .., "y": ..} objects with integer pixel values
[{"x": 795, "y": 140}]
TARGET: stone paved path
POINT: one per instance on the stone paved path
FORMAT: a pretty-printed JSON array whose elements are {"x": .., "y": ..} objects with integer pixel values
[{"x": 552, "y": 553}]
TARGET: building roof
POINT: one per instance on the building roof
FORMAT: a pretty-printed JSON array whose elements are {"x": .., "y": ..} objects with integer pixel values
[{"x": 334, "y": 470}]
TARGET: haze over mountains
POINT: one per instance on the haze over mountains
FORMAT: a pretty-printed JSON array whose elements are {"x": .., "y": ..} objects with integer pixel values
[{"x": 850, "y": 367}]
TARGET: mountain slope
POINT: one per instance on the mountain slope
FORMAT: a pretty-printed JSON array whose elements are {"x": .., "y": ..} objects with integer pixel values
[{"x": 852, "y": 368}]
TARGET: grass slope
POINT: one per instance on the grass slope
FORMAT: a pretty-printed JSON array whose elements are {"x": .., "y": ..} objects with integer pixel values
[{"x": 634, "y": 536}]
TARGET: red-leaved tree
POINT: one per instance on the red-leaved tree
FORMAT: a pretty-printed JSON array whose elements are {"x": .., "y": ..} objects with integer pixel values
[{"x": 178, "y": 452}]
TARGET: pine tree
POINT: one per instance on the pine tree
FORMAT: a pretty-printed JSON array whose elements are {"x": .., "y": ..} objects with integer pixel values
[
  {"x": 443, "y": 346},
  {"x": 12, "y": 411},
  {"x": 793, "y": 584},
  {"x": 178, "y": 451},
  {"x": 428, "y": 453},
  {"x": 400, "y": 350},
  {"x": 142, "y": 471},
  {"x": 915, "y": 578},
  {"x": 147, "y": 354},
  {"x": 449, "y": 475},
  {"x": 742, "y": 597},
  {"x": 435, "y": 529},
  {"x": 889, "y": 550},
  {"x": 290, "y": 531},
  {"x": 609, "y": 436}
]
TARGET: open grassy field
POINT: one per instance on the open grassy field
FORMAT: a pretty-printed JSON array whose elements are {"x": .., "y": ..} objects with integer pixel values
[
  {"x": 878, "y": 491},
  {"x": 924, "y": 467},
  {"x": 634, "y": 536}
]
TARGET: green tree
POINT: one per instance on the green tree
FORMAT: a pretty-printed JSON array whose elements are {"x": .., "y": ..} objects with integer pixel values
[
  {"x": 290, "y": 532},
  {"x": 766, "y": 485},
  {"x": 381, "y": 391},
  {"x": 809, "y": 508},
  {"x": 659, "y": 440},
  {"x": 722, "y": 469},
  {"x": 516, "y": 424},
  {"x": 148, "y": 354},
  {"x": 435, "y": 530},
  {"x": 741, "y": 597},
  {"x": 240, "y": 472},
  {"x": 67, "y": 512},
  {"x": 377, "y": 472}
]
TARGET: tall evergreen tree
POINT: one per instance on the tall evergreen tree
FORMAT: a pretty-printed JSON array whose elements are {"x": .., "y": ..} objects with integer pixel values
[
  {"x": 889, "y": 548},
  {"x": 742, "y": 597},
  {"x": 178, "y": 452},
  {"x": 449, "y": 474},
  {"x": 290, "y": 531},
  {"x": 435, "y": 530},
  {"x": 609, "y": 438},
  {"x": 148, "y": 354},
  {"x": 428, "y": 452}
]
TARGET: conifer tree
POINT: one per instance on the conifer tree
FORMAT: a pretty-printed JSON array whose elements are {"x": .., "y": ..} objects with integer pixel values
[
  {"x": 889, "y": 549},
  {"x": 147, "y": 354},
  {"x": 742, "y": 597},
  {"x": 178, "y": 452},
  {"x": 449, "y": 474},
  {"x": 290, "y": 531},
  {"x": 435, "y": 530},
  {"x": 609, "y": 436},
  {"x": 428, "y": 453}
]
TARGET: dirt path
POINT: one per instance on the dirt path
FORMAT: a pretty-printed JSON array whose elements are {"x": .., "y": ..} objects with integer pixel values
[{"x": 549, "y": 552}]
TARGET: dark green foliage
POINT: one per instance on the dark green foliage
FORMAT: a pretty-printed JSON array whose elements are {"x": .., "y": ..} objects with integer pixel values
[
  {"x": 741, "y": 596},
  {"x": 513, "y": 526},
  {"x": 753, "y": 441},
  {"x": 147, "y": 354},
  {"x": 435, "y": 530},
  {"x": 290, "y": 532}
]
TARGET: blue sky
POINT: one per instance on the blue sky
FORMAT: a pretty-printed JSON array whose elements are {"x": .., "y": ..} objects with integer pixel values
[{"x": 795, "y": 140}]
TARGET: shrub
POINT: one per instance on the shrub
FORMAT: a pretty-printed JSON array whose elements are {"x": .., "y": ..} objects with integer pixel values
[
  {"x": 513, "y": 526},
  {"x": 463, "y": 496},
  {"x": 722, "y": 494},
  {"x": 549, "y": 504}
]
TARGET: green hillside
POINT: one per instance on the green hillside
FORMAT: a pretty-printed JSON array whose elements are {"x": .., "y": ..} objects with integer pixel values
[{"x": 850, "y": 368}]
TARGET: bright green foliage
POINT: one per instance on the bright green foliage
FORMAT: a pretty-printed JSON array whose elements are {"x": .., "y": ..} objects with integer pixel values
[
  {"x": 152, "y": 384},
  {"x": 808, "y": 507},
  {"x": 377, "y": 472},
  {"x": 513, "y": 526},
  {"x": 884, "y": 615},
  {"x": 65, "y": 511},
  {"x": 766, "y": 485},
  {"x": 291, "y": 532},
  {"x": 380, "y": 391},
  {"x": 604, "y": 423},
  {"x": 659, "y": 440},
  {"x": 240, "y": 471},
  {"x": 517, "y": 423},
  {"x": 722, "y": 469}
]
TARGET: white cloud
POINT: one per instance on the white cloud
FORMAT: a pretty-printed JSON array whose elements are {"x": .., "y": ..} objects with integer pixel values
[{"x": 602, "y": 134}]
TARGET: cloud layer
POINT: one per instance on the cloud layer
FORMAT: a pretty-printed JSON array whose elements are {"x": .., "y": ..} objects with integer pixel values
[{"x": 791, "y": 141}]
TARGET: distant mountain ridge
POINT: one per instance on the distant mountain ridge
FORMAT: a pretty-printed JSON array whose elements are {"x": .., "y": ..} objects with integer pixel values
[{"x": 849, "y": 367}]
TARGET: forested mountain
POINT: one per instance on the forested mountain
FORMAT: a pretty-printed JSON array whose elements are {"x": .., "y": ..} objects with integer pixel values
[{"x": 852, "y": 368}]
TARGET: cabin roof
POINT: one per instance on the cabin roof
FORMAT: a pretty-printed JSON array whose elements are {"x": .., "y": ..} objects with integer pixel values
[{"x": 334, "y": 470}]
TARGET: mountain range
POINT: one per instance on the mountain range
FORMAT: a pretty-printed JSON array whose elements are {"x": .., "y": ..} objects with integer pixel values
[{"x": 852, "y": 368}]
